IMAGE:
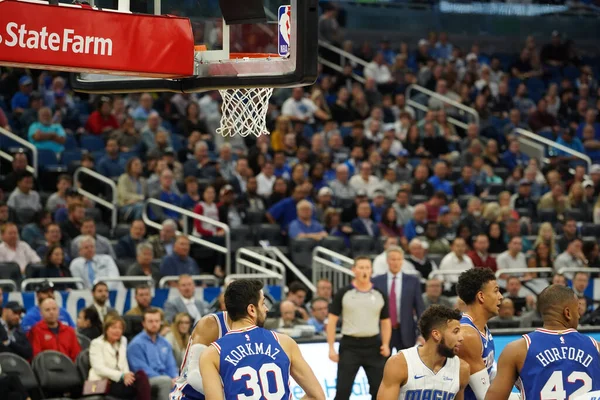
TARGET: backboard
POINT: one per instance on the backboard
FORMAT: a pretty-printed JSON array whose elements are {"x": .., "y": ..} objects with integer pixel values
[{"x": 278, "y": 49}]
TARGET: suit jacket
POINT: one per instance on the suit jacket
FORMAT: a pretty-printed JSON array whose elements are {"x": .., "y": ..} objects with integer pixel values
[
  {"x": 175, "y": 306},
  {"x": 359, "y": 228},
  {"x": 274, "y": 323},
  {"x": 106, "y": 362},
  {"x": 411, "y": 303},
  {"x": 126, "y": 247}
]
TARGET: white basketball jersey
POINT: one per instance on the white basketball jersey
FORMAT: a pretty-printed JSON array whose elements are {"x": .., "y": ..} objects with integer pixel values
[{"x": 423, "y": 384}]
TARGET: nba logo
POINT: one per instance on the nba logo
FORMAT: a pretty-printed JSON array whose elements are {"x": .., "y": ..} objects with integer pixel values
[{"x": 285, "y": 30}]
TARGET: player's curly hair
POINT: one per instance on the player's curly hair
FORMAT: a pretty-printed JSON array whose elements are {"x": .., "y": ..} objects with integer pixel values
[
  {"x": 472, "y": 282},
  {"x": 239, "y": 295},
  {"x": 434, "y": 317}
]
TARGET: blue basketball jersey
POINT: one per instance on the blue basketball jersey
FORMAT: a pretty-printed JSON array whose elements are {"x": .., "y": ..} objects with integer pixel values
[
  {"x": 487, "y": 353},
  {"x": 182, "y": 389},
  {"x": 253, "y": 365},
  {"x": 559, "y": 365}
]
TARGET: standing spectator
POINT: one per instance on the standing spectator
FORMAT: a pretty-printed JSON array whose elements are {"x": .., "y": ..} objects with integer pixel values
[
  {"x": 58, "y": 199},
  {"x": 33, "y": 316},
  {"x": 108, "y": 360},
  {"x": 363, "y": 224},
  {"x": 88, "y": 323},
  {"x": 144, "y": 265},
  {"x": 329, "y": 28},
  {"x": 305, "y": 226},
  {"x": 180, "y": 261},
  {"x": 47, "y": 133},
  {"x": 111, "y": 165},
  {"x": 103, "y": 245},
  {"x": 151, "y": 353},
  {"x": 511, "y": 258},
  {"x": 319, "y": 307},
  {"x": 433, "y": 294},
  {"x": 366, "y": 330},
  {"x": 132, "y": 190},
  {"x": 51, "y": 334},
  {"x": 90, "y": 266},
  {"x": 14, "y": 250},
  {"x": 12, "y": 338},
  {"x": 101, "y": 121},
  {"x": 302, "y": 109},
  {"x": 179, "y": 336},
  {"x": 24, "y": 197},
  {"x": 480, "y": 256},
  {"x": 126, "y": 247},
  {"x": 457, "y": 260}
]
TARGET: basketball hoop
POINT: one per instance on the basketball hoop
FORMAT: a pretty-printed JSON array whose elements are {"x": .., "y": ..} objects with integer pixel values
[{"x": 244, "y": 111}]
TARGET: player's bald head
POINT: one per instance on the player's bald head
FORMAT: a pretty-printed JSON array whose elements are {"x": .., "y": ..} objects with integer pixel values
[{"x": 554, "y": 299}]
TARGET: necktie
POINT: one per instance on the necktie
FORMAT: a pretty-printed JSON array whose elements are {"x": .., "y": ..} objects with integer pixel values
[
  {"x": 393, "y": 304},
  {"x": 91, "y": 273}
]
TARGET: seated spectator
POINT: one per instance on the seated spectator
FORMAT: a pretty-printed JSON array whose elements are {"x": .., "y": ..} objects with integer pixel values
[
  {"x": 364, "y": 180},
  {"x": 14, "y": 250},
  {"x": 100, "y": 301},
  {"x": 363, "y": 224},
  {"x": 287, "y": 319},
  {"x": 547, "y": 236},
  {"x": 51, "y": 334},
  {"x": 179, "y": 336},
  {"x": 523, "y": 68},
  {"x": 191, "y": 197},
  {"x": 180, "y": 261},
  {"x": 568, "y": 139},
  {"x": 467, "y": 185},
  {"x": 33, "y": 232},
  {"x": 513, "y": 229},
  {"x": 201, "y": 166},
  {"x": 541, "y": 258},
  {"x": 240, "y": 175},
  {"x": 33, "y": 316},
  {"x": 5, "y": 214},
  {"x": 506, "y": 312},
  {"x": 416, "y": 226},
  {"x": 90, "y": 266},
  {"x": 319, "y": 308},
  {"x": 53, "y": 237},
  {"x": 72, "y": 196},
  {"x": 163, "y": 243},
  {"x": 457, "y": 260},
  {"x": 143, "y": 298},
  {"x": 20, "y": 100},
  {"x": 513, "y": 157},
  {"x": 251, "y": 200},
  {"x": 132, "y": 190},
  {"x": 513, "y": 258},
  {"x": 167, "y": 195},
  {"x": 207, "y": 208},
  {"x": 521, "y": 303},
  {"x": 101, "y": 121},
  {"x": 230, "y": 210},
  {"x": 19, "y": 165},
  {"x": 56, "y": 267},
  {"x": 570, "y": 233},
  {"x": 154, "y": 136},
  {"x": 571, "y": 257},
  {"x": 541, "y": 119},
  {"x": 151, "y": 353},
  {"x": 378, "y": 205},
  {"x": 126, "y": 247},
  {"x": 480, "y": 256},
  {"x": 12, "y": 338},
  {"x": 284, "y": 211},
  {"x": 523, "y": 198},
  {"x": 185, "y": 302},
  {"x": 128, "y": 138},
  {"x": 266, "y": 180},
  {"x": 324, "y": 201},
  {"x": 89, "y": 323},
  {"x": 555, "y": 200},
  {"x": 109, "y": 360},
  {"x": 300, "y": 108},
  {"x": 434, "y": 204},
  {"x": 103, "y": 245},
  {"x": 24, "y": 197},
  {"x": 439, "y": 180},
  {"x": 144, "y": 265},
  {"x": 435, "y": 244},
  {"x": 341, "y": 186},
  {"x": 58, "y": 199},
  {"x": 305, "y": 226},
  {"x": 47, "y": 133},
  {"x": 111, "y": 165},
  {"x": 580, "y": 283},
  {"x": 142, "y": 112},
  {"x": 433, "y": 294},
  {"x": 388, "y": 226}
]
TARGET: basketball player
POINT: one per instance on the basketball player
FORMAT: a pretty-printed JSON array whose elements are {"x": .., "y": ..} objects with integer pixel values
[
  {"x": 431, "y": 371},
  {"x": 555, "y": 362},
  {"x": 478, "y": 288},
  {"x": 251, "y": 362},
  {"x": 188, "y": 386}
]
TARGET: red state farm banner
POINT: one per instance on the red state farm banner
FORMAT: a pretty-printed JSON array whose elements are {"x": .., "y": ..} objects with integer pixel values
[{"x": 77, "y": 39}]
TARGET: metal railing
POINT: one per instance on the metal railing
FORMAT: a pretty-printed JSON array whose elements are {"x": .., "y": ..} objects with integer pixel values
[
  {"x": 111, "y": 205},
  {"x": 570, "y": 271},
  {"x": 123, "y": 279},
  {"x": 265, "y": 278},
  {"x": 9, "y": 282},
  {"x": 461, "y": 107},
  {"x": 337, "y": 271},
  {"x": 278, "y": 254},
  {"x": 32, "y": 281},
  {"x": 339, "y": 68},
  {"x": 522, "y": 271},
  {"x": 268, "y": 266},
  {"x": 34, "y": 153},
  {"x": 555, "y": 145},
  {"x": 344, "y": 55},
  {"x": 189, "y": 214},
  {"x": 532, "y": 149},
  {"x": 206, "y": 278}
]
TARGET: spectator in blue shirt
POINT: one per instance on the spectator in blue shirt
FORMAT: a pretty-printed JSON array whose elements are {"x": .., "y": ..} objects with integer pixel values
[
  {"x": 378, "y": 205},
  {"x": 318, "y": 308},
  {"x": 590, "y": 119},
  {"x": 466, "y": 185},
  {"x": 439, "y": 181},
  {"x": 33, "y": 316},
  {"x": 280, "y": 168},
  {"x": 569, "y": 140},
  {"x": 47, "y": 133},
  {"x": 152, "y": 353},
  {"x": 513, "y": 158},
  {"x": 442, "y": 49},
  {"x": 305, "y": 226},
  {"x": 179, "y": 262},
  {"x": 416, "y": 226},
  {"x": 112, "y": 164},
  {"x": 166, "y": 194},
  {"x": 284, "y": 211},
  {"x": 143, "y": 111},
  {"x": 20, "y": 101}
]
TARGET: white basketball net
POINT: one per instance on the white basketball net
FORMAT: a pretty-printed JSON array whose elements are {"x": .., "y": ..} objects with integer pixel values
[{"x": 244, "y": 111}]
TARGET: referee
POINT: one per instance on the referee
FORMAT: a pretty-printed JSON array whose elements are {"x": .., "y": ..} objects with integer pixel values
[{"x": 363, "y": 309}]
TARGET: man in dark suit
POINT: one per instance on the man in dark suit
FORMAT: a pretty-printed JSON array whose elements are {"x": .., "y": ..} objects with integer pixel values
[
  {"x": 405, "y": 300},
  {"x": 363, "y": 224},
  {"x": 126, "y": 247}
]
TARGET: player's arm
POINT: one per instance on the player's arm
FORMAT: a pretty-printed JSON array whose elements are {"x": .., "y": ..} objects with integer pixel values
[
  {"x": 395, "y": 375},
  {"x": 301, "y": 371},
  {"x": 209, "y": 367},
  {"x": 508, "y": 370},
  {"x": 470, "y": 351},
  {"x": 465, "y": 375},
  {"x": 205, "y": 332}
]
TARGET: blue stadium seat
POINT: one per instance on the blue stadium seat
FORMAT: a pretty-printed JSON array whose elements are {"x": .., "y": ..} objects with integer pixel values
[
  {"x": 71, "y": 143},
  {"x": 92, "y": 143},
  {"x": 535, "y": 85},
  {"x": 571, "y": 72},
  {"x": 47, "y": 158}
]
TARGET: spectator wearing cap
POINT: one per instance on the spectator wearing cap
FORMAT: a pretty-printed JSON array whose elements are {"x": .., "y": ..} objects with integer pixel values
[
  {"x": 522, "y": 199},
  {"x": 66, "y": 113},
  {"x": 51, "y": 334},
  {"x": 33, "y": 316},
  {"x": 402, "y": 167},
  {"x": 12, "y": 338},
  {"x": 47, "y": 133},
  {"x": 305, "y": 226},
  {"x": 20, "y": 101},
  {"x": 466, "y": 185},
  {"x": 364, "y": 179},
  {"x": 363, "y": 224},
  {"x": 91, "y": 267},
  {"x": 439, "y": 180},
  {"x": 111, "y": 165},
  {"x": 446, "y": 225},
  {"x": 480, "y": 256},
  {"x": 101, "y": 121},
  {"x": 24, "y": 197},
  {"x": 457, "y": 260},
  {"x": 14, "y": 250}
]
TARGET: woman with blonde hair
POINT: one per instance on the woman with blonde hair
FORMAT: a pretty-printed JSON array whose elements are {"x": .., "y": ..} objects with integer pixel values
[
  {"x": 319, "y": 99},
  {"x": 547, "y": 236},
  {"x": 132, "y": 189},
  {"x": 283, "y": 126},
  {"x": 504, "y": 201},
  {"x": 179, "y": 335},
  {"x": 108, "y": 360},
  {"x": 491, "y": 212},
  {"x": 577, "y": 198}
]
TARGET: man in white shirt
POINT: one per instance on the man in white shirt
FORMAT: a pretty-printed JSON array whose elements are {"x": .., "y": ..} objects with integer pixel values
[
  {"x": 378, "y": 71},
  {"x": 92, "y": 267},
  {"x": 572, "y": 257},
  {"x": 340, "y": 186},
  {"x": 457, "y": 260},
  {"x": 380, "y": 264},
  {"x": 300, "y": 108},
  {"x": 364, "y": 180},
  {"x": 186, "y": 301},
  {"x": 14, "y": 250},
  {"x": 511, "y": 259},
  {"x": 266, "y": 179}
]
